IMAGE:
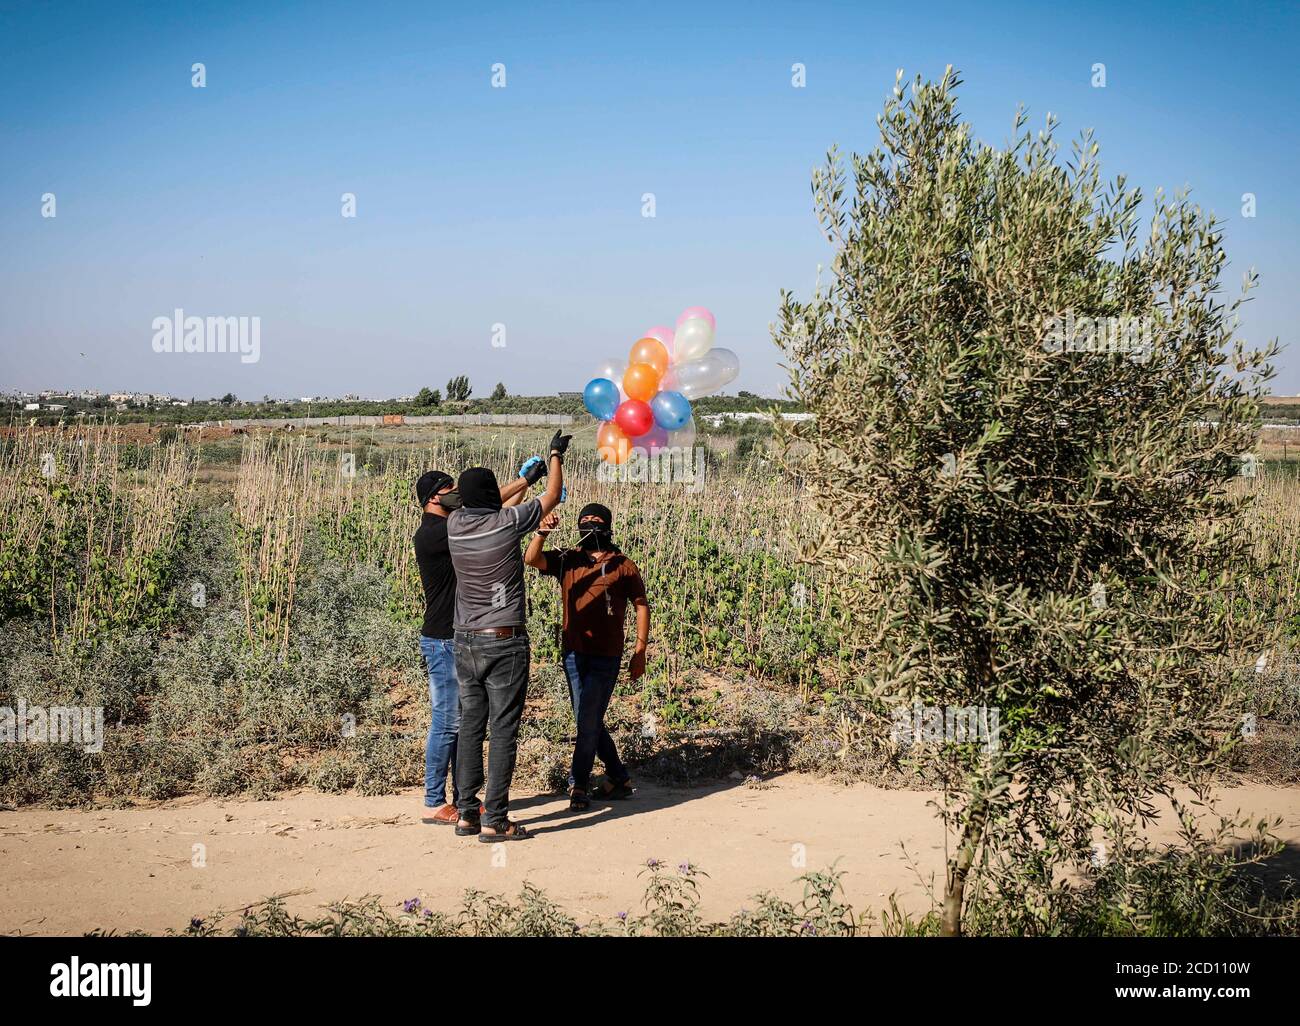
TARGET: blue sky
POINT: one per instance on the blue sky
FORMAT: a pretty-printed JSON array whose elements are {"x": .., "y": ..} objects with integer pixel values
[{"x": 522, "y": 206}]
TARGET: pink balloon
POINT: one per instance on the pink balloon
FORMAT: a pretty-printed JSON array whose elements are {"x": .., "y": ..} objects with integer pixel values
[
  {"x": 697, "y": 311},
  {"x": 664, "y": 335}
]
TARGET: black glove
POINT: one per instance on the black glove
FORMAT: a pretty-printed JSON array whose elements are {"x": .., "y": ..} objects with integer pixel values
[
  {"x": 560, "y": 443},
  {"x": 533, "y": 470}
]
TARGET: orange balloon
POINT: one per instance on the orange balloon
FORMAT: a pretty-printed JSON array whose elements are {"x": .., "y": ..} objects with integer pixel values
[
  {"x": 641, "y": 381},
  {"x": 612, "y": 444},
  {"x": 651, "y": 351}
]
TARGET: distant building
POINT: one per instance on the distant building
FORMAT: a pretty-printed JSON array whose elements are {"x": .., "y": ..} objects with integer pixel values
[{"x": 716, "y": 419}]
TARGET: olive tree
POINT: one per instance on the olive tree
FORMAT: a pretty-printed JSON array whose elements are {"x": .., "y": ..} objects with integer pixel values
[{"x": 1030, "y": 408}]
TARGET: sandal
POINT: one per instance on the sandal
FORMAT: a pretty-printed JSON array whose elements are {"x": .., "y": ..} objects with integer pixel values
[
  {"x": 467, "y": 826},
  {"x": 578, "y": 800},
  {"x": 616, "y": 791},
  {"x": 445, "y": 815},
  {"x": 512, "y": 832}
]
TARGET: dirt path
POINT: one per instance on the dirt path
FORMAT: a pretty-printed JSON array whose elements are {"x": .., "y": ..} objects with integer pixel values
[{"x": 67, "y": 872}]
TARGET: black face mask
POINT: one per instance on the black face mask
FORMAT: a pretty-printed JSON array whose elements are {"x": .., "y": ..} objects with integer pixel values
[
  {"x": 596, "y": 539},
  {"x": 596, "y": 534}
]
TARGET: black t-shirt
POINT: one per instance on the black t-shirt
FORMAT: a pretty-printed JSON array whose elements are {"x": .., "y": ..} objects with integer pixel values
[{"x": 437, "y": 575}]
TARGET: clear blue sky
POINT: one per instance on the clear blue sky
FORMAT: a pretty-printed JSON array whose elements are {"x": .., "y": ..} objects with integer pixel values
[{"x": 522, "y": 205}]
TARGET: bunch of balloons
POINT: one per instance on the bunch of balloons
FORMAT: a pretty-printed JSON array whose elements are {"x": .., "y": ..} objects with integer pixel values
[{"x": 645, "y": 402}]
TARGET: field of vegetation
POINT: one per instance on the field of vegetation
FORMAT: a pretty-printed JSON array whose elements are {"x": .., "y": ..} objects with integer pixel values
[
  {"x": 245, "y": 609},
  {"x": 246, "y": 612}
]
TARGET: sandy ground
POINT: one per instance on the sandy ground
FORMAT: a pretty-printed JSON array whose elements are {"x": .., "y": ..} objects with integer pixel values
[{"x": 66, "y": 872}]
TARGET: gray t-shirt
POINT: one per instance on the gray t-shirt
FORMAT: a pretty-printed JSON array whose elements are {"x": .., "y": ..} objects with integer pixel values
[{"x": 489, "y": 565}]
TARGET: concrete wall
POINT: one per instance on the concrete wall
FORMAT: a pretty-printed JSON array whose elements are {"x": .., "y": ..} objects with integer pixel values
[{"x": 447, "y": 420}]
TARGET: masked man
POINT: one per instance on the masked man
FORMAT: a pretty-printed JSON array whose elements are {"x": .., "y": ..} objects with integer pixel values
[
  {"x": 437, "y": 497},
  {"x": 438, "y": 578},
  {"x": 491, "y": 638},
  {"x": 596, "y": 584}
]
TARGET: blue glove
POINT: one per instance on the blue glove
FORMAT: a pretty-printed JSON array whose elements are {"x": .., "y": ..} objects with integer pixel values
[
  {"x": 564, "y": 493},
  {"x": 533, "y": 470}
]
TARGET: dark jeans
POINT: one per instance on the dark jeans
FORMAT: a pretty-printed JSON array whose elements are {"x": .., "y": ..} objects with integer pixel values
[
  {"x": 493, "y": 676},
  {"x": 591, "y": 685}
]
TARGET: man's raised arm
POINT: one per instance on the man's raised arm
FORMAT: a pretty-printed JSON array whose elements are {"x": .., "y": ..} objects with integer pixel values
[
  {"x": 535, "y": 555},
  {"x": 513, "y": 493},
  {"x": 555, "y": 473}
]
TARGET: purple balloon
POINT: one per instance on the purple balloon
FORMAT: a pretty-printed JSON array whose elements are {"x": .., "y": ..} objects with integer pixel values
[{"x": 653, "y": 440}]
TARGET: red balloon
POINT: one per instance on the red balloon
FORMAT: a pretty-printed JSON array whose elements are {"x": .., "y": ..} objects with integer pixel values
[{"x": 634, "y": 417}]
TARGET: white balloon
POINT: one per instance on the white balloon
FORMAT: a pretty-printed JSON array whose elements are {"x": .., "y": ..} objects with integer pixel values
[
  {"x": 726, "y": 362},
  {"x": 718, "y": 367},
  {"x": 614, "y": 369},
  {"x": 683, "y": 437},
  {"x": 693, "y": 339}
]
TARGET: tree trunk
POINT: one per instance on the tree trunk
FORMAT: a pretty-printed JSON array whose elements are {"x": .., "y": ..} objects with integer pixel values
[{"x": 958, "y": 870}]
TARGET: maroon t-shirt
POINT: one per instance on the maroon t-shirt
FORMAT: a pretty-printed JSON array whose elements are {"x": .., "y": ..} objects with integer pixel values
[{"x": 595, "y": 591}]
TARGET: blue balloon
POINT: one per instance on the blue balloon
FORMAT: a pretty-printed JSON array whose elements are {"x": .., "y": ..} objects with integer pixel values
[
  {"x": 601, "y": 398},
  {"x": 671, "y": 409}
]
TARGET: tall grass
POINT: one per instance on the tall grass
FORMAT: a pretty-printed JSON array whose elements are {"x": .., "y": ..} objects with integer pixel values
[
  {"x": 91, "y": 530},
  {"x": 276, "y": 495},
  {"x": 720, "y": 560},
  {"x": 1276, "y": 528}
]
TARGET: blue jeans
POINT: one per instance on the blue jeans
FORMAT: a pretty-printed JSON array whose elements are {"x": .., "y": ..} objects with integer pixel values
[
  {"x": 591, "y": 685},
  {"x": 444, "y": 726}
]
